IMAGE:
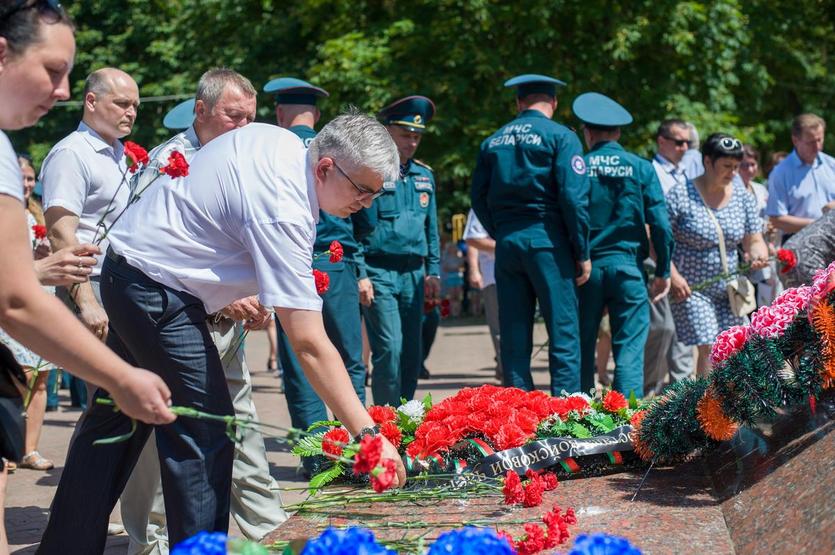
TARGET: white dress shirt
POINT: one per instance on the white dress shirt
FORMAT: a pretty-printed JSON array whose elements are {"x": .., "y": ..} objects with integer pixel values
[
  {"x": 242, "y": 223},
  {"x": 86, "y": 176},
  {"x": 486, "y": 260},
  {"x": 11, "y": 180},
  {"x": 669, "y": 174}
]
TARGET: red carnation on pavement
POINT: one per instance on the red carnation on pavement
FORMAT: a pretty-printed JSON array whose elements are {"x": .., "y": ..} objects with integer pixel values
[
  {"x": 534, "y": 541},
  {"x": 513, "y": 492},
  {"x": 368, "y": 456},
  {"x": 39, "y": 231},
  {"x": 787, "y": 259},
  {"x": 550, "y": 480},
  {"x": 392, "y": 433},
  {"x": 382, "y": 413},
  {"x": 136, "y": 155},
  {"x": 614, "y": 401},
  {"x": 177, "y": 165},
  {"x": 533, "y": 490},
  {"x": 323, "y": 281},
  {"x": 382, "y": 477},
  {"x": 335, "y": 251},
  {"x": 334, "y": 441}
]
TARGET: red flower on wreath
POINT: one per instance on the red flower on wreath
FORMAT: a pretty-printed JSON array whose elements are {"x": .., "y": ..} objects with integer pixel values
[
  {"x": 323, "y": 281},
  {"x": 614, "y": 401},
  {"x": 368, "y": 456},
  {"x": 177, "y": 165},
  {"x": 382, "y": 477},
  {"x": 382, "y": 413},
  {"x": 335, "y": 251},
  {"x": 334, "y": 441},
  {"x": 392, "y": 433},
  {"x": 787, "y": 259},
  {"x": 136, "y": 155},
  {"x": 39, "y": 231}
]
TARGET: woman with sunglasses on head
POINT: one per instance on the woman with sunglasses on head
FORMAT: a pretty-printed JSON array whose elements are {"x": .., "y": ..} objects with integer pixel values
[
  {"x": 702, "y": 211},
  {"x": 37, "y": 48}
]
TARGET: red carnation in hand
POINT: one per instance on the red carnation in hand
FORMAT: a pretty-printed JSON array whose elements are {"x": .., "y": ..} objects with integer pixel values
[
  {"x": 382, "y": 413},
  {"x": 614, "y": 401},
  {"x": 323, "y": 281},
  {"x": 787, "y": 259},
  {"x": 177, "y": 165},
  {"x": 335, "y": 251},
  {"x": 445, "y": 308},
  {"x": 382, "y": 477},
  {"x": 39, "y": 231},
  {"x": 334, "y": 441},
  {"x": 136, "y": 155},
  {"x": 513, "y": 492},
  {"x": 392, "y": 433},
  {"x": 368, "y": 456}
]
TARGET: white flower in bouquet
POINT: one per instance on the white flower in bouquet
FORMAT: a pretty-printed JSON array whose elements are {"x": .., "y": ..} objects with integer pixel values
[{"x": 413, "y": 409}]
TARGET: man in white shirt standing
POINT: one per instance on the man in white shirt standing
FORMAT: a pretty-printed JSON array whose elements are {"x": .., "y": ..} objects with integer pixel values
[
  {"x": 84, "y": 182},
  {"x": 242, "y": 223},
  {"x": 664, "y": 355},
  {"x": 225, "y": 101},
  {"x": 481, "y": 256}
]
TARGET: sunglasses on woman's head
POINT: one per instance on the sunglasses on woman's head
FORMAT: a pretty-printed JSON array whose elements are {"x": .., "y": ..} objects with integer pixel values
[
  {"x": 53, "y": 6},
  {"x": 729, "y": 143}
]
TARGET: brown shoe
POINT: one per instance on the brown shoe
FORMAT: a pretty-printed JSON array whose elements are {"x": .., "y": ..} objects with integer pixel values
[
  {"x": 35, "y": 461},
  {"x": 10, "y": 466}
]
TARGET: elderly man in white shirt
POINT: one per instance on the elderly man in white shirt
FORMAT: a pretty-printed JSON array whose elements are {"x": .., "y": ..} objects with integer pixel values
[
  {"x": 225, "y": 101},
  {"x": 242, "y": 223}
]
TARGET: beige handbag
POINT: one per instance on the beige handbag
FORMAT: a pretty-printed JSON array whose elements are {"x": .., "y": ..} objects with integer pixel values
[{"x": 740, "y": 289}]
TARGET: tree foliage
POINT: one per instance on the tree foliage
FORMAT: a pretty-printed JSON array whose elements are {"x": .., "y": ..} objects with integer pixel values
[{"x": 743, "y": 67}]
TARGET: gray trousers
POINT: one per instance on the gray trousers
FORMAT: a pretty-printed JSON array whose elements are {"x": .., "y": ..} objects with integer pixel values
[
  {"x": 663, "y": 354},
  {"x": 256, "y": 500},
  {"x": 491, "y": 313}
]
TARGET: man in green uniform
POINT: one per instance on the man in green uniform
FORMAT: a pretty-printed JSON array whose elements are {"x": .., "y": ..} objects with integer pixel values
[
  {"x": 295, "y": 110},
  {"x": 530, "y": 192},
  {"x": 403, "y": 258},
  {"x": 625, "y": 198}
]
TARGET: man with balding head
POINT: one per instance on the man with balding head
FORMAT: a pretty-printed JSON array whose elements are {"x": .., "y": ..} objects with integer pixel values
[{"x": 82, "y": 179}]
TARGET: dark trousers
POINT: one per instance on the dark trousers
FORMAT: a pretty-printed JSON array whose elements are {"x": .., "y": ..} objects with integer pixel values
[
  {"x": 341, "y": 316},
  {"x": 534, "y": 264},
  {"x": 428, "y": 331},
  {"x": 153, "y": 327},
  {"x": 620, "y": 287}
]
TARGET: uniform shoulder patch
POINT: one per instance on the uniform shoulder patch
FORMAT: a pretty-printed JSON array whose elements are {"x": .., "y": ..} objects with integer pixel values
[
  {"x": 424, "y": 164},
  {"x": 578, "y": 164}
]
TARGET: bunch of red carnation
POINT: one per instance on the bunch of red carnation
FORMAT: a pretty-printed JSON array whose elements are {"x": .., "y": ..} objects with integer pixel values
[
  {"x": 430, "y": 304},
  {"x": 368, "y": 460},
  {"x": 386, "y": 418},
  {"x": 528, "y": 493},
  {"x": 506, "y": 417},
  {"x": 537, "y": 538}
]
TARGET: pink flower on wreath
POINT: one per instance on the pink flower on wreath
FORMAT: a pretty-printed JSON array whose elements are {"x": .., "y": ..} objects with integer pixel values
[
  {"x": 823, "y": 281},
  {"x": 728, "y": 342},
  {"x": 797, "y": 297},
  {"x": 771, "y": 322}
]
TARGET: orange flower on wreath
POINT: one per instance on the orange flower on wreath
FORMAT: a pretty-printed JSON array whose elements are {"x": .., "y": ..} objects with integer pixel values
[
  {"x": 822, "y": 317},
  {"x": 640, "y": 448},
  {"x": 712, "y": 418}
]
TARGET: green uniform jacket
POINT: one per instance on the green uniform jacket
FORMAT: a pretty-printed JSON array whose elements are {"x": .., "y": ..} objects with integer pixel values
[
  {"x": 347, "y": 231},
  {"x": 405, "y": 219},
  {"x": 626, "y": 196},
  {"x": 532, "y": 170}
]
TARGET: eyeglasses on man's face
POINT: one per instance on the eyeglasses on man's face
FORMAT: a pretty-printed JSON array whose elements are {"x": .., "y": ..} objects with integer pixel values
[
  {"x": 678, "y": 142},
  {"x": 361, "y": 188}
]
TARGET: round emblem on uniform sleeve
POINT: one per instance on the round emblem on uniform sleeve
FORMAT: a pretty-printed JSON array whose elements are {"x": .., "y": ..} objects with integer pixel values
[
  {"x": 424, "y": 200},
  {"x": 578, "y": 165}
]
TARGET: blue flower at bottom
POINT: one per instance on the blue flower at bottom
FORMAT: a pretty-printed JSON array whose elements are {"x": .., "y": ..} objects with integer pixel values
[
  {"x": 470, "y": 541},
  {"x": 350, "y": 541},
  {"x": 603, "y": 544},
  {"x": 202, "y": 543}
]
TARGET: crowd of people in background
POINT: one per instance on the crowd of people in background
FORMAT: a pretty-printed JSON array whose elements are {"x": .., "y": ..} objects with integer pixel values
[{"x": 607, "y": 248}]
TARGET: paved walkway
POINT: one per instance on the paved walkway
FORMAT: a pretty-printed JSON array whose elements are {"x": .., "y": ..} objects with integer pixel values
[{"x": 462, "y": 356}]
